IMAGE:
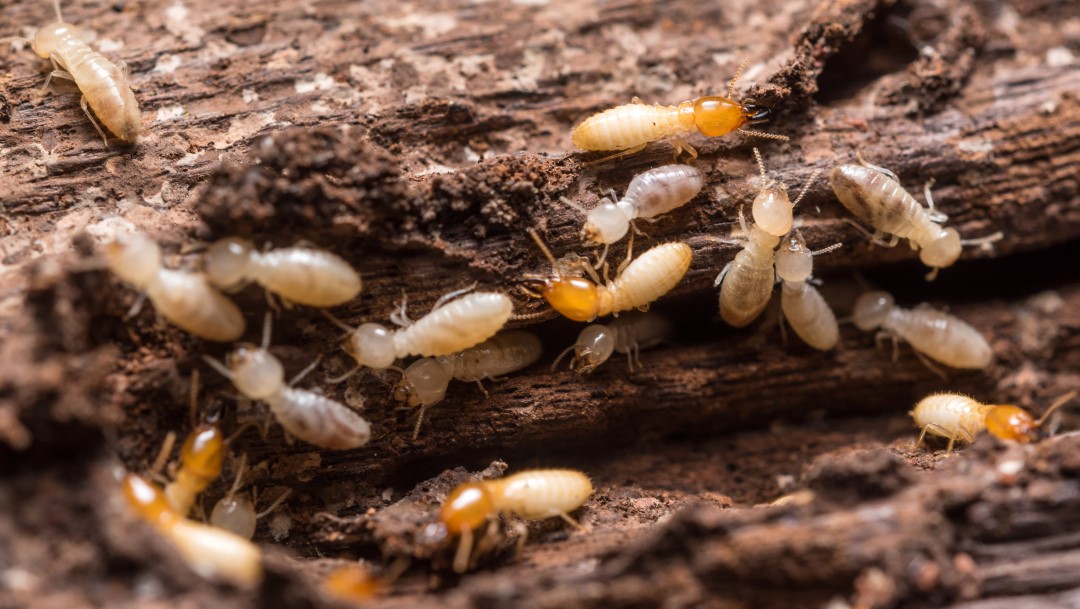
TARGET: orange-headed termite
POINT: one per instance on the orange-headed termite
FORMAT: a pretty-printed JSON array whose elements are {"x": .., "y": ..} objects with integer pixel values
[
  {"x": 627, "y": 334},
  {"x": 958, "y": 417},
  {"x": 803, "y": 306},
  {"x": 303, "y": 275},
  {"x": 105, "y": 88},
  {"x": 186, "y": 299}
]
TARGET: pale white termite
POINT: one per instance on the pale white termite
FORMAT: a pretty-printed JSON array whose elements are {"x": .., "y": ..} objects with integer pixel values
[
  {"x": 424, "y": 382},
  {"x": 312, "y": 417},
  {"x": 641, "y": 281},
  {"x": 875, "y": 196},
  {"x": 186, "y": 299},
  {"x": 532, "y": 495},
  {"x": 803, "y": 306},
  {"x": 303, "y": 275},
  {"x": 105, "y": 88},
  {"x": 236, "y": 512},
  {"x": 627, "y": 334},
  {"x": 450, "y": 327},
  {"x": 937, "y": 335},
  {"x": 958, "y": 417}
]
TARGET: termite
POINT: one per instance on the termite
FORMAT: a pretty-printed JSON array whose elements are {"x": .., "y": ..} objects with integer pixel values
[
  {"x": 629, "y": 128},
  {"x": 104, "y": 86},
  {"x": 958, "y": 417},
  {"x": 209, "y": 551},
  {"x": 303, "y": 275},
  {"x": 201, "y": 460},
  {"x": 642, "y": 281},
  {"x": 236, "y": 512},
  {"x": 424, "y": 382},
  {"x": 931, "y": 333},
  {"x": 532, "y": 495},
  {"x": 628, "y": 334},
  {"x": 746, "y": 283},
  {"x": 803, "y": 306},
  {"x": 875, "y": 196},
  {"x": 312, "y": 417},
  {"x": 186, "y": 299},
  {"x": 449, "y": 327}
]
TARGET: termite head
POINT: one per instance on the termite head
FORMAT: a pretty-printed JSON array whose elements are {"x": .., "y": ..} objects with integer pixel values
[
  {"x": 147, "y": 500},
  {"x": 372, "y": 345},
  {"x": 594, "y": 346},
  {"x": 574, "y": 297},
  {"x": 871, "y": 309},
  {"x": 255, "y": 372},
  {"x": 942, "y": 251},
  {"x": 466, "y": 508},
  {"x": 48, "y": 37},
  {"x": 715, "y": 116},
  {"x": 605, "y": 223},
  {"x": 204, "y": 451},
  {"x": 235, "y": 513},
  {"x": 134, "y": 258},
  {"x": 772, "y": 209},
  {"x": 794, "y": 261},
  {"x": 226, "y": 262},
  {"x": 424, "y": 383},
  {"x": 1012, "y": 423}
]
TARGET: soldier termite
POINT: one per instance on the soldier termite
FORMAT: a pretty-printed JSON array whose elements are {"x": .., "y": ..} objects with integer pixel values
[
  {"x": 186, "y": 299},
  {"x": 629, "y": 128},
  {"x": 642, "y": 281},
  {"x": 424, "y": 382},
  {"x": 875, "y": 196},
  {"x": 303, "y": 275},
  {"x": 627, "y": 334},
  {"x": 312, "y": 417},
  {"x": 958, "y": 417},
  {"x": 236, "y": 512},
  {"x": 105, "y": 88},
  {"x": 209, "y": 551},
  {"x": 931, "y": 333},
  {"x": 531, "y": 495},
  {"x": 803, "y": 306},
  {"x": 449, "y": 327}
]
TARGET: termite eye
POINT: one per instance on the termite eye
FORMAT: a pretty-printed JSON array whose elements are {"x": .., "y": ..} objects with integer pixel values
[
  {"x": 575, "y": 298},
  {"x": 943, "y": 251},
  {"x": 1011, "y": 423},
  {"x": 204, "y": 451},
  {"x": 466, "y": 508},
  {"x": 226, "y": 261},
  {"x": 772, "y": 211},
  {"x": 715, "y": 116}
]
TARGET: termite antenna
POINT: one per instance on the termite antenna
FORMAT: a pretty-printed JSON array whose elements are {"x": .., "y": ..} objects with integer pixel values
[
  {"x": 241, "y": 470},
  {"x": 267, "y": 322},
  {"x": 985, "y": 243},
  {"x": 826, "y": 250},
  {"x": 1058, "y": 403},
  {"x": 193, "y": 397},
  {"x": 276, "y": 504},
  {"x": 547, "y": 252},
  {"x": 806, "y": 187},
  {"x": 532, "y": 316},
  {"x": 763, "y": 135},
  {"x": 761, "y": 166},
  {"x": 220, "y": 367},
  {"x": 337, "y": 322},
  {"x": 573, "y": 205},
  {"x": 555, "y": 364},
  {"x": 735, "y": 79},
  {"x": 59, "y": 17}
]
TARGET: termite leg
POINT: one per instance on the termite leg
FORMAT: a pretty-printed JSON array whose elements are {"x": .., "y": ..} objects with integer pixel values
[
  {"x": 275, "y": 504},
  {"x": 681, "y": 145},
  {"x": 603, "y": 257},
  {"x": 93, "y": 121},
  {"x": 723, "y": 273},
  {"x": 464, "y": 550},
  {"x": 136, "y": 307},
  {"x": 401, "y": 316},
  {"x": 783, "y": 328},
  {"x": 617, "y": 155},
  {"x": 926, "y": 362},
  {"x": 523, "y": 535},
  {"x": 638, "y": 231},
  {"x": 344, "y": 377},
  {"x": 163, "y": 454},
  {"x": 445, "y": 298},
  {"x": 299, "y": 377},
  {"x": 484, "y": 391},
  {"x": 626, "y": 262},
  {"x": 57, "y": 74},
  {"x": 874, "y": 237},
  {"x": 922, "y": 436},
  {"x": 935, "y": 215}
]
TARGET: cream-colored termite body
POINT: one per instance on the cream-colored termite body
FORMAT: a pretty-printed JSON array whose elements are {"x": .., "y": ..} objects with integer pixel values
[
  {"x": 235, "y": 512},
  {"x": 186, "y": 299},
  {"x": 937, "y": 335},
  {"x": 650, "y": 194},
  {"x": 303, "y": 275},
  {"x": 803, "y": 306},
  {"x": 312, "y": 417},
  {"x": 627, "y": 334},
  {"x": 425, "y": 381},
  {"x": 875, "y": 196},
  {"x": 105, "y": 88},
  {"x": 959, "y": 417}
]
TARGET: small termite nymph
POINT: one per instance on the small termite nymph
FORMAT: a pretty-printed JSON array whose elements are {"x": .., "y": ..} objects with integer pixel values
[
  {"x": 105, "y": 88},
  {"x": 303, "y": 275},
  {"x": 958, "y": 417},
  {"x": 186, "y": 299},
  {"x": 312, "y": 417},
  {"x": 236, "y": 512},
  {"x": 939, "y": 336},
  {"x": 802, "y": 304},
  {"x": 639, "y": 284},
  {"x": 628, "y": 334},
  {"x": 425, "y": 381},
  {"x": 532, "y": 495},
  {"x": 629, "y": 128},
  {"x": 209, "y": 551},
  {"x": 875, "y": 196}
]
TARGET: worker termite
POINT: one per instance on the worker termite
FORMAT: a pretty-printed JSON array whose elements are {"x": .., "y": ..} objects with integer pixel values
[
  {"x": 449, "y": 327},
  {"x": 236, "y": 512},
  {"x": 803, "y": 306},
  {"x": 532, "y": 495},
  {"x": 303, "y": 275},
  {"x": 642, "y": 281},
  {"x": 423, "y": 384},
  {"x": 312, "y": 417},
  {"x": 628, "y": 334},
  {"x": 629, "y": 128},
  {"x": 105, "y": 88},
  {"x": 746, "y": 283},
  {"x": 931, "y": 333},
  {"x": 958, "y": 417},
  {"x": 875, "y": 196},
  {"x": 209, "y": 551},
  {"x": 650, "y": 194},
  {"x": 186, "y": 299}
]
